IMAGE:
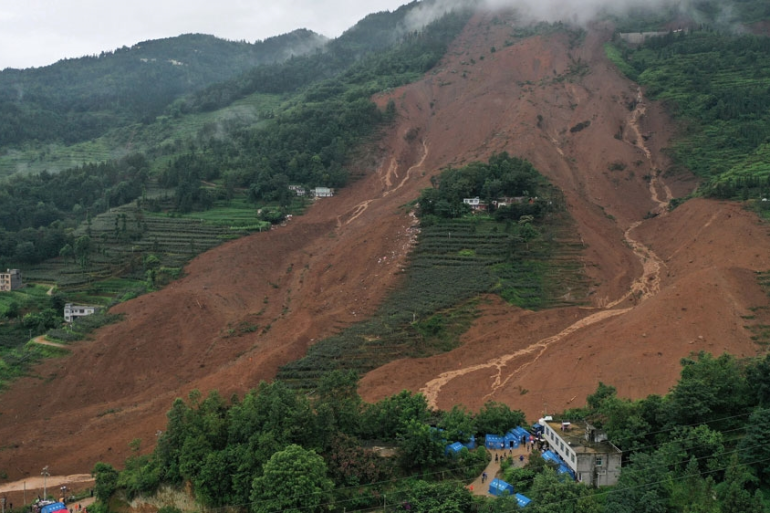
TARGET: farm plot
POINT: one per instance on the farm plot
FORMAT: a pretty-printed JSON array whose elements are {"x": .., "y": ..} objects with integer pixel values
[
  {"x": 126, "y": 243},
  {"x": 453, "y": 263}
]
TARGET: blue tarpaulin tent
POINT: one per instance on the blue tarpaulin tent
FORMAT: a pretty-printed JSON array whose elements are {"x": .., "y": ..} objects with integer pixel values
[
  {"x": 564, "y": 469},
  {"x": 471, "y": 444},
  {"x": 500, "y": 488},
  {"x": 520, "y": 431},
  {"x": 552, "y": 456},
  {"x": 494, "y": 442},
  {"x": 522, "y": 500},
  {"x": 454, "y": 448},
  {"x": 56, "y": 506},
  {"x": 511, "y": 441}
]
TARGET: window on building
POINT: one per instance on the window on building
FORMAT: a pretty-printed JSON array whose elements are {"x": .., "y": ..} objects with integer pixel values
[
  {"x": 599, "y": 461},
  {"x": 573, "y": 457}
]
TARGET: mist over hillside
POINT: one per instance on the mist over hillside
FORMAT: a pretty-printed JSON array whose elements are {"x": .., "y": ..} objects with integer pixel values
[{"x": 582, "y": 12}]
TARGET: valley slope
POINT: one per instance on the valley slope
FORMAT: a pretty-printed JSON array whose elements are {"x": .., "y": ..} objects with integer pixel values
[{"x": 664, "y": 285}]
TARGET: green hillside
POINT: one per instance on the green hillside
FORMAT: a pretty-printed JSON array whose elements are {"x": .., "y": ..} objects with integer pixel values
[{"x": 79, "y": 99}]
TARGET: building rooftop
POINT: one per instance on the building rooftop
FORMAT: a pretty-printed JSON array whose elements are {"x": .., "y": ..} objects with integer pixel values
[{"x": 575, "y": 435}]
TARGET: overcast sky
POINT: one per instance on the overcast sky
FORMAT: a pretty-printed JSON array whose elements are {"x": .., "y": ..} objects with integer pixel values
[{"x": 40, "y": 32}]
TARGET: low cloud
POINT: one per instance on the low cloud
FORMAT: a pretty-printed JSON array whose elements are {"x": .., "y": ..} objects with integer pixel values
[{"x": 576, "y": 12}]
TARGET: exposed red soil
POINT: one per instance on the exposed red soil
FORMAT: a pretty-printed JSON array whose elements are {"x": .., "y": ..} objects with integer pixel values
[{"x": 325, "y": 270}]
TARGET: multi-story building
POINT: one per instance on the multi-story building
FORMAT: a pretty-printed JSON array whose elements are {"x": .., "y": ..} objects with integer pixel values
[
  {"x": 72, "y": 312},
  {"x": 586, "y": 451},
  {"x": 10, "y": 280}
]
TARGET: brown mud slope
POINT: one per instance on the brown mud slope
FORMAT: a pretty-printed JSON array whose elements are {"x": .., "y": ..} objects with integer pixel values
[
  {"x": 666, "y": 284},
  {"x": 331, "y": 267}
]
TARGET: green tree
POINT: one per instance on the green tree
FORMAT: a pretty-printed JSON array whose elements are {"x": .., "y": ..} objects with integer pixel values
[
  {"x": 82, "y": 249},
  {"x": 550, "y": 494},
  {"x": 458, "y": 424},
  {"x": 293, "y": 481},
  {"x": 67, "y": 252},
  {"x": 641, "y": 487},
  {"x": 444, "y": 497},
  {"x": 754, "y": 447},
  {"x": 733, "y": 493},
  {"x": 694, "y": 494},
  {"x": 420, "y": 446},
  {"x": 106, "y": 481},
  {"x": 388, "y": 418},
  {"x": 497, "y": 418},
  {"x": 709, "y": 388},
  {"x": 339, "y": 390}
]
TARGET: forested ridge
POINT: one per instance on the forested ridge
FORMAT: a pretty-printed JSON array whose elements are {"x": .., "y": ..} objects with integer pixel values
[
  {"x": 703, "y": 447},
  {"x": 79, "y": 99},
  {"x": 306, "y": 144}
]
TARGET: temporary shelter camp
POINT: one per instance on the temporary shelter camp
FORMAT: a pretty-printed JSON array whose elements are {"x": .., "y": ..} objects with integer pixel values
[
  {"x": 522, "y": 500},
  {"x": 500, "y": 488},
  {"x": 494, "y": 442},
  {"x": 454, "y": 449}
]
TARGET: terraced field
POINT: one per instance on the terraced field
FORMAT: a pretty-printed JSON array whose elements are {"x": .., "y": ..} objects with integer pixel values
[
  {"x": 122, "y": 241},
  {"x": 453, "y": 264}
]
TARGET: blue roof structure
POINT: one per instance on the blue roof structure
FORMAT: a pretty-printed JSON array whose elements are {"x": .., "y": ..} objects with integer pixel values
[
  {"x": 500, "y": 488},
  {"x": 511, "y": 438},
  {"x": 454, "y": 448},
  {"x": 56, "y": 506},
  {"x": 522, "y": 500},
  {"x": 471, "y": 443},
  {"x": 552, "y": 456},
  {"x": 494, "y": 442},
  {"x": 564, "y": 469},
  {"x": 520, "y": 431}
]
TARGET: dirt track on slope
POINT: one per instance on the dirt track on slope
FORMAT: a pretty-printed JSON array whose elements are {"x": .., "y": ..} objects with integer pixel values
[{"x": 326, "y": 270}]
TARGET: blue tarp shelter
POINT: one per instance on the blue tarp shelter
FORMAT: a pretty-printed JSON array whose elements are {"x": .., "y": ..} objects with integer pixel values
[
  {"x": 438, "y": 433},
  {"x": 471, "y": 444},
  {"x": 454, "y": 448},
  {"x": 494, "y": 442},
  {"x": 564, "y": 469},
  {"x": 500, "y": 488},
  {"x": 522, "y": 500},
  {"x": 56, "y": 506},
  {"x": 511, "y": 441},
  {"x": 538, "y": 428},
  {"x": 520, "y": 431},
  {"x": 552, "y": 456}
]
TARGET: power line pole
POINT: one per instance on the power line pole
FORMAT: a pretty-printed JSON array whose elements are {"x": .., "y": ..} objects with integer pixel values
[{"x": 45, "y": 475}]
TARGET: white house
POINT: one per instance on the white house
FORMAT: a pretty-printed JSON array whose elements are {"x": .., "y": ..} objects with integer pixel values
[
  {"x": 298, "y": 190},
  {"x": 323, "y": 192},
  {"x": 72, "y": 312}
]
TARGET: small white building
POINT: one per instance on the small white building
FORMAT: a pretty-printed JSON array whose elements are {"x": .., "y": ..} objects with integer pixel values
[
  {"x": 298, "y": 190},
  {"x": 72, "y": 312},
  {"x": 10, "y": 280},
  {"x": 323, "y": 192},
  {"x": 473, "y": 202}
]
